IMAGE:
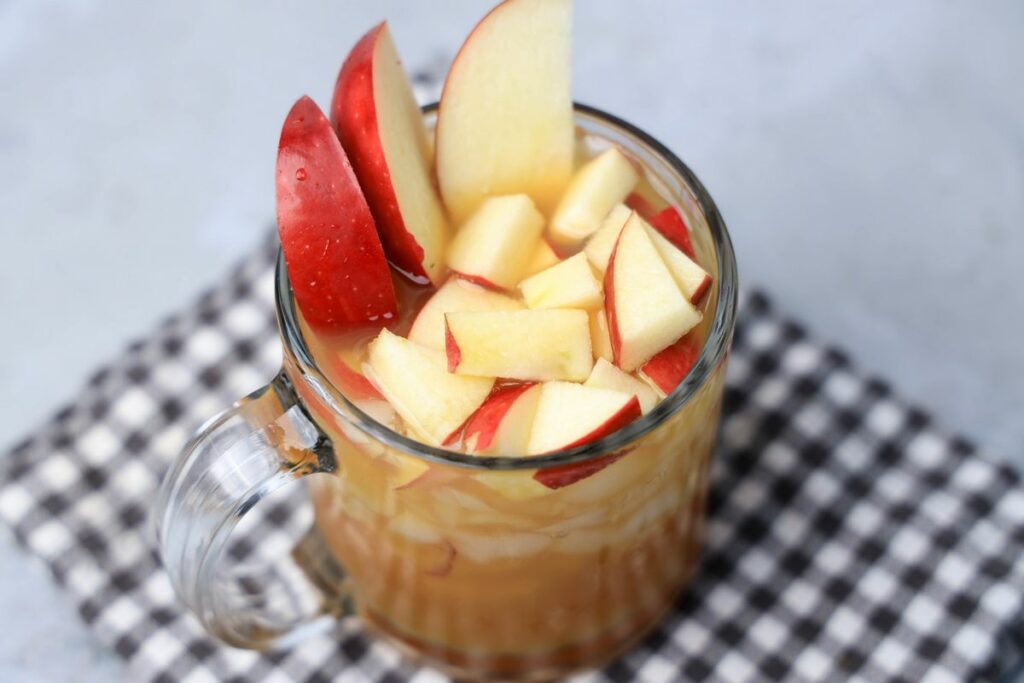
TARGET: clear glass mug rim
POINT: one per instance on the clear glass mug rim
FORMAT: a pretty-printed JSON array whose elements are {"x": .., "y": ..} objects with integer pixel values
[{"x": 711, "y": 355}]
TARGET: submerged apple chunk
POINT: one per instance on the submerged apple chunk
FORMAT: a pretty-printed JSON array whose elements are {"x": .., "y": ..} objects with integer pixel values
[
  {"x": 414, "y": 380},
  {"x": 536, "y": 345}
]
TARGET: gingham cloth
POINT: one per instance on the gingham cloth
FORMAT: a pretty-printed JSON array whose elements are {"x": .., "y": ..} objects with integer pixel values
[{"x": 848, "y": 538}]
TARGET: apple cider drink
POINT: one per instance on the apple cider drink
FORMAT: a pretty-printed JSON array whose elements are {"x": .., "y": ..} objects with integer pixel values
[{"x": 512, "y": 292}]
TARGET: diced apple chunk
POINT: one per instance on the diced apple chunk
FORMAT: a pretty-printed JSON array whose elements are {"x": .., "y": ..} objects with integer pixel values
[
  {"x": 543, "y": 258},
  {"x": 501, "y": 426},
  {"x": 646, "y": 310},
  {"x": 433, "y": 402},
  {"x": 669, "y": 222},
  {"x": 532, "y": 345},
  {"x": 570, "y": 284},
  {"x": 504, "y": 124},
  {"x": 570, "y": 415},
  {"x": 607, "y": 376},
  {"x": 599, "y": 185},
  {"x": 668, "y": 368},
  {"x": 693, "y": 280},
  {"x": 455, "y": 295},
  {"x": 599, "y": 247},
  {"x": 495, "y": 246},
  {"x": 600, "y": 339}
]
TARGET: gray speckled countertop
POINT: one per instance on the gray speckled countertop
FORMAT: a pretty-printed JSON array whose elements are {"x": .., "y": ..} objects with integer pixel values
[{"x": 868, "y": 157}]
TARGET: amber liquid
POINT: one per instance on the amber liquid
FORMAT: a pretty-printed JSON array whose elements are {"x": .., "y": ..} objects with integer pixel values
[{"x": 490, "y": 577}]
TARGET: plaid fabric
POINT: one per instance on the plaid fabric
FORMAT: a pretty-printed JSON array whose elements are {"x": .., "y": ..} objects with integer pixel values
[{"x": 848, "y": 538}]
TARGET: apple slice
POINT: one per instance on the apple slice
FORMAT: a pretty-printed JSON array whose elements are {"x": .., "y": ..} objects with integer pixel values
[
  {"x": 646, "y": 310},
  {"x": 543, "y": 258},
  {"x": 347, "y": 377},
  {"x": 597, "y": 187},
  {"x": 455, "y": 295},
  {"x": 599, "y": 247},
  {"x": 382, "y": 129},
  {"x": 693, "y": 281},
  {"x": 600, "y": 338},
  {"x": 668, "y": 368},
  {"x": 335, "y": 261},
  {"x": 528, "y": 345},
  {"x": 501, "y": 426},
  {"x": 570, "y": 284},
  {"x": 570, "y": 415},
  {"x": 505, "y": 122},
  {"x": 669, "y": 222},
  {"x": 607, "y": 376},
  {"x": 433, "y": 402},
  {"x": 495, "y": 246}
]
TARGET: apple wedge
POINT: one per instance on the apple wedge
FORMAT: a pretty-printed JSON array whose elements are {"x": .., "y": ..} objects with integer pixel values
[
  {"x": 645, "y": 308},
  {"x": 607, "y": 376},
  {"x": 529, "y": 345},
  {"x": 495, "y": 246},
  {"x": 433, "y": 402},
  {"x": 669, "y": 222},
  {"x": 335, "y": 261},
  {"x": 669, "y": 367},
  {"x": 594, "y": 190},
  {"x": 382, "y": 129},
  {"x": 505, "y": 122},
  {"x": 570, "y": 415},
  {"x": 600, "y": 338},
  {"x": 501, "y": 426},
  {"x": 455, "y": 295},
  {"x": 599, "y": 247},
  {"x": 570, "y": 284},
  {"x": 693, "y": 281},
  {"x": 543, "y": 258}
]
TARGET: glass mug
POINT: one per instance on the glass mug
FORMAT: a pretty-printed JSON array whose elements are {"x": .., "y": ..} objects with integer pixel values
[{"x": 463, "y": 561}]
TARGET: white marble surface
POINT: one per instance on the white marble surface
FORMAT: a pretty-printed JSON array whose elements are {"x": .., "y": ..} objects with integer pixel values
[{"x": 868, "y": 157}]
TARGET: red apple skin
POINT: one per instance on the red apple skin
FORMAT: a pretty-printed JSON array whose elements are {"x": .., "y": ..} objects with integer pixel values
[
  {"x": 701, "y": 290},
  {"x": 669, "y": 222},
  {"x": 609, "y": 303},
  {"x": 485, "y": 421},
  {"x": 671, "y": 366},
  {"x": 477, "y": 280},
  {"x": 354, "y": 113},
  {"x": 335, "y": 261},
  {"x": 451, "y": 348},
  {"x": 641, "y": 205},
  {"x": 563, "y": 475}
]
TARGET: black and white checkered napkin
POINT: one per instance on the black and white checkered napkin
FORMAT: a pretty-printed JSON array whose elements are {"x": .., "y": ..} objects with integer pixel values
[{"x": 848, "y": 538}]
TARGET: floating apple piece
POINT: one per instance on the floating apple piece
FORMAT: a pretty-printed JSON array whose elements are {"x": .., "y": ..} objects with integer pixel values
[
  {"x": 599, "y": 185},
  {"x": 607, "y": 376},
  {"x": 528, "y": 345},
  {"x": 455, "y": 295},
  {"x": 543, "y": 258},
  {"x": 382, "y": 129},
  {"x": 501, "y": 426},
  {"x": 693, "y": 281},
  {"x": 645, "y": 308},
  {"x": 598, "y": 248},
  {"x": 600, "y": 339},
  {"x": 570, "y": 415},
  {"x": 669, "y": 367},
  {"x": 569, "y": 284},
  {"x": 433, "y": 402},
  {"x": 505, "y": 121},
  {"x": 495, "y": 246},
  {"x": 336, "y": 265}
]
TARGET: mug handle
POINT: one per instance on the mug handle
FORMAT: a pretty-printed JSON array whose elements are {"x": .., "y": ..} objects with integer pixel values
[{"x": 266, "y": 441}]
